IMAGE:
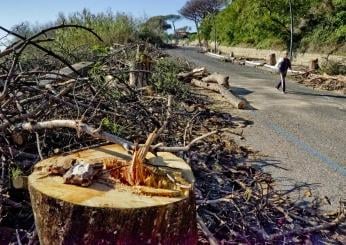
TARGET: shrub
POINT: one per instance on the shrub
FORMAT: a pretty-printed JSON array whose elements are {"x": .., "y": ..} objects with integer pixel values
[
  {"x": 165, "y": 80},
  {"x": 332, "y": 67}
]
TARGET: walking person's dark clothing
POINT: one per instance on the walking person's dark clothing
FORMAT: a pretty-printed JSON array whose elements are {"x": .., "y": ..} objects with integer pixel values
[{"x": 283, "y": 66}]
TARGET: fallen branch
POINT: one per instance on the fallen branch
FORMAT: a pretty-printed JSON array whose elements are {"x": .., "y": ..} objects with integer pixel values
[{"x": 77, "y": 125}]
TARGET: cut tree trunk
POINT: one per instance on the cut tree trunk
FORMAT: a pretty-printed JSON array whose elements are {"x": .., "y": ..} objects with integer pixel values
[
  {"x": 112, "y": 213},
  {"x": 217, "y": 78},
  {"x": 140, "y": 70},
  {"x": 232, "y": 99}
]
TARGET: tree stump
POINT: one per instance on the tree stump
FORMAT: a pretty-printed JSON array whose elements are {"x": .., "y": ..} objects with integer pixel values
[
  {"x": 140, "y": 69},
  {"x": 111, "y": 213},
  {"x": 314, "y": 64},
  {"x": 272, "y": 59}
]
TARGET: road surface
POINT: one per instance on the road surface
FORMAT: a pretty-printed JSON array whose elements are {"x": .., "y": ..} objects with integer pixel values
[{"x": 302, "y": 133}]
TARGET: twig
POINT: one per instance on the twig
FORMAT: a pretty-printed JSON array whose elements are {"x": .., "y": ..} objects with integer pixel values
[
  {"x": 206, "y": 231},
  {"x": 222, "y": 199},
  {"x": 168, "y": 117},
  {"x": 18, "y": 238},
  {"x": 301, "y": 231},
  {"x": 38, "y": 145},
  {"x": 193, "y": 142}
]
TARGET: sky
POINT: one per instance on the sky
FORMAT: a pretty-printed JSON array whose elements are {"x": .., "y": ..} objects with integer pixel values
[{"x": 14, "y": 12}]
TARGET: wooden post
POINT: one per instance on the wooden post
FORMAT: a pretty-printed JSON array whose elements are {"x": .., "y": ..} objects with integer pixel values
[{"x": 107, "y": 213}]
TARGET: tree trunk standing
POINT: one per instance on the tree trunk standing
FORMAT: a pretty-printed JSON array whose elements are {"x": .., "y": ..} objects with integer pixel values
[
  {"x": 175, "y": 36},
  {"x": 106, "y": 214},
  {"x": 198, "y": 34}
]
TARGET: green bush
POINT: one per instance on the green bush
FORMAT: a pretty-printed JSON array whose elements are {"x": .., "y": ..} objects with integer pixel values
[
  {"x": 319, "y": 25},
  {"x": 165, "y": 80}
]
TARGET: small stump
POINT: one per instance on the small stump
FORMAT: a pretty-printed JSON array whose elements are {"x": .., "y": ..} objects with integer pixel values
[
  {"x": 271, "y": 59},
  {"x": 314, "y": 64},
  {"x": 112, "y": 213}
]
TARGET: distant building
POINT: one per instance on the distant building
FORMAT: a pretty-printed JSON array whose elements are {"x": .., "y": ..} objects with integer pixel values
[{"x": 183, "y": 32}]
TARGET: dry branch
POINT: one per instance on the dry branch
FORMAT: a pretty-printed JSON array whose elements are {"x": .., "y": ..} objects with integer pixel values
[{"x": 79, "y": 126}]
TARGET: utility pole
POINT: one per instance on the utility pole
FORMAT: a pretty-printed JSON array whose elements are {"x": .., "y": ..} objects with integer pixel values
[{"x": 291, "y": 42}]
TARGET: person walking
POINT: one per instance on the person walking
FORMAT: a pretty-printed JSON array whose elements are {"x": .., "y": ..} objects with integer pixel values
[{"x": 283, "y": 65}]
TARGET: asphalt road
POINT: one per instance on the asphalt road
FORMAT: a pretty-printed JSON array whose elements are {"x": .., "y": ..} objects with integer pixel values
[{"x": 302, "y": 133}]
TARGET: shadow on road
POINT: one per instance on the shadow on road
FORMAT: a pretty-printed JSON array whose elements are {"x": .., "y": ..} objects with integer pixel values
[
  {"x": 317, "y": 95},
  {"x": 241, "y": 91}
]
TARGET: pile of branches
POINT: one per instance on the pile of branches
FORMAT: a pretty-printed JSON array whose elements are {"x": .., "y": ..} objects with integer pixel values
[
  {"x": 325, "y": 82},
  {"x": 45, "y": 113}
]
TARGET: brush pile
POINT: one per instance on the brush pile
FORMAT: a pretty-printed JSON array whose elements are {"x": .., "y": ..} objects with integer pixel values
[
  {"x": 324, "y": 82},
  {"x": 237, "y": 202}
]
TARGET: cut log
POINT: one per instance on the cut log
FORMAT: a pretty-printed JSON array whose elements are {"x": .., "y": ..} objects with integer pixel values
[
  {"x": 232, "y": 99},
  {"x": 272, "y": 59},
  {"x": 211, "y": 86},
  {"x": 196, "y": 73},
  {"x": 254, "y": 63},
  {"x": 112, "y": 213},
  {"x": 217, "y": 78},
  {"x": 219, "y": 56}
]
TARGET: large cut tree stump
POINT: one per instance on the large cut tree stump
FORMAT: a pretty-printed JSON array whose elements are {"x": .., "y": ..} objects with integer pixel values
[{"x": 112, "y": 213}]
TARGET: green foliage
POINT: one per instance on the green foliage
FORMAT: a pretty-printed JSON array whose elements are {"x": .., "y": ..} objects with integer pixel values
[
  {"x": 97, "y": 76},
  {"x": 112, "y": 127},
  {"x": 16, "y": 172},
  {"x": 154, "y": 30},
  {"x": 320, "y": 25},
  {"x": 165, "y": 80},
  {"x": 112, "y": 28},
  {"x": 206, "y": 28}
]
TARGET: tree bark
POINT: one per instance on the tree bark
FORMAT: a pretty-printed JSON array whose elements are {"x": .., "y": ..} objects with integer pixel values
[{"x": 104, "y": 214}]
